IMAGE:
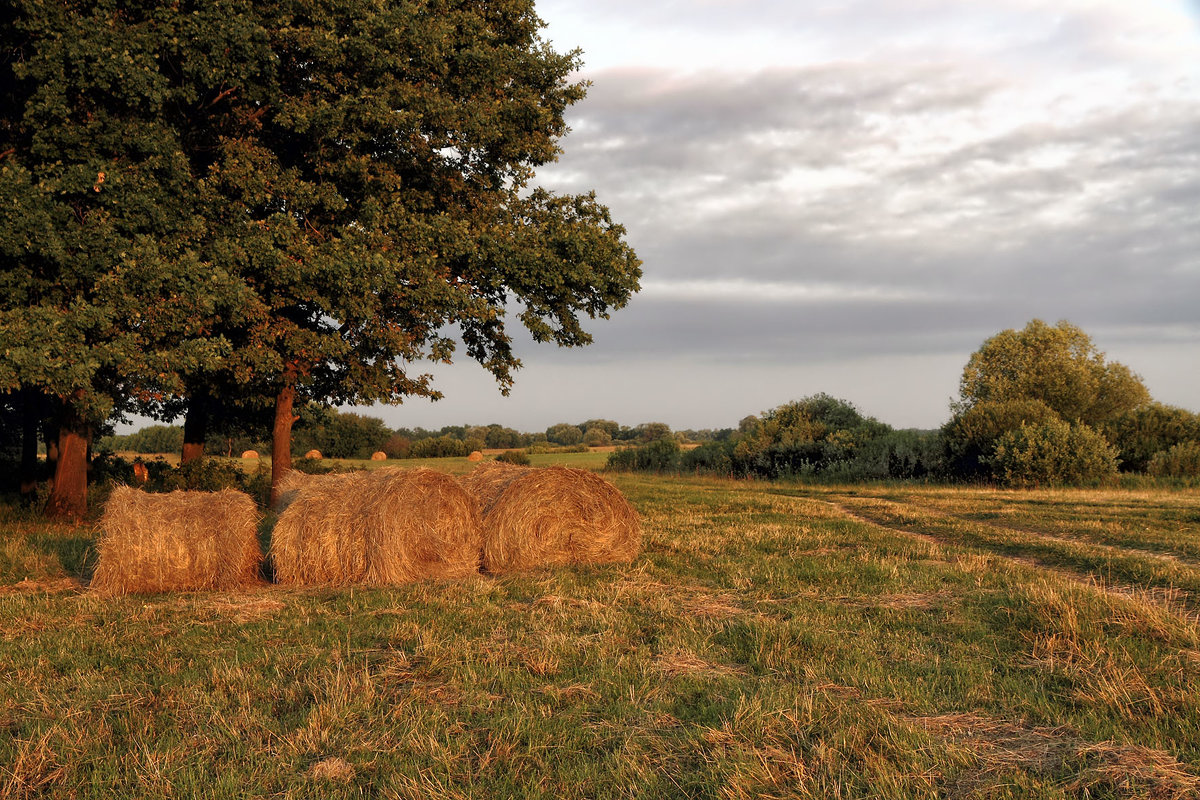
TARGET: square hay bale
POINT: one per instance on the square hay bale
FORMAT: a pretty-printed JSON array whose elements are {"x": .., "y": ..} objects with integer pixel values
[{"x": 182, "y": 541}]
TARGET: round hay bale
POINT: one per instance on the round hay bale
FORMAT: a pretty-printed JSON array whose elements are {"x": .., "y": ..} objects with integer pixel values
[
  {"x": 313, "y": 454},
  {"x": 379, "y": 455},
  {"x": 475, "y": 456},
  {"x": 556, "y": 516},
  {"x": 180, "y": 541},
  {"x": 250, "y": 454},
  {"x": 380, "y": 528}
]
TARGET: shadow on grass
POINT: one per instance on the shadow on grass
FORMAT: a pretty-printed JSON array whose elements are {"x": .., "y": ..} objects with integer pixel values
[{"x": 76, "y": 553}]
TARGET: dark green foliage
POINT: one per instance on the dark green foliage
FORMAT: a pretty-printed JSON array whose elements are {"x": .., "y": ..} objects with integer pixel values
[
  {"x": 597, "y": 437},
  {"x": 710, "y": 458},
  {"x": 652, "y": 431},
  {"x": 563, "y": 433},
  {"x": 1180, "y": 461},
  {"x": 438, "y": 447},
  {"x": 806, "y": 437},
  {"x": 340, "y": 434},
  {"x": 1056, "y": 365},
  {"x": 1147, "y": 430},
  {"x": 1053, "y": 454},
  {"x": 971, "y": 434},
  {"x": 514, "y": 457},
  {"x": 151, "y": 439},
  {"x": 284, "y": 200},
  {"x": 660, "y": 455}
]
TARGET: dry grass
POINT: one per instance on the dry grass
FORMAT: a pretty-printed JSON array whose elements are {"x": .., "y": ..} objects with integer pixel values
[
  {"x": 177, "y": 542},
  {"x": 535, "y": 518},
  {"x": 380, "y": 528},
  {"x": 1002, "y": 746}
]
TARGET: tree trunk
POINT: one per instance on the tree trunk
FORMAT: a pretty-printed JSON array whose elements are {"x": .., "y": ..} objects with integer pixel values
[
  {"x": 31, "y": 417},
  {"x": 195, "y": 426},
  {"x": 68, "y": 499},
  {"x": 281, "y": 438}
]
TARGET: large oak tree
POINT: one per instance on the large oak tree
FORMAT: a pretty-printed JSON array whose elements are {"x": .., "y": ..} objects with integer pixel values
[{"x": 352, "y": 179}]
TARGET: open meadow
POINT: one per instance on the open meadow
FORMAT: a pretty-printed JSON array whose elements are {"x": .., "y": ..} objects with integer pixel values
[{"x": 773, "y": 640}]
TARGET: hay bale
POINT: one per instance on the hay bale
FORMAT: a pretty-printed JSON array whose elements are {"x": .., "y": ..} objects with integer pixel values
[
  {"x": 180, "y": 541},
  {"x": 384, "y": 527},
  {"x": 555, "y": 516},
  {"x": 475, "y": 456},
  {"x": 250, "y": 454},
  {"x": 379, "y": 455},
  {"x": 313, "y": 454}
]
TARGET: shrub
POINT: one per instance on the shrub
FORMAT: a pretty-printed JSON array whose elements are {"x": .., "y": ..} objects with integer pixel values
[
  {"x": 514, "y": 457},
  {"x": 597, "y": 437},
  {"x": 970, "y": 436},
  {"x": 1053, "y": 454},
  {"x": 661, "y": 455},
  {"x": 563, "y": 433},
  {"x": 1150, "y": 429},
  {"x": 1180, "y": 461},
  {"x": 438, "y": 447},
  {"x": 710, "y": 458},
  {"x": 397, "y": 446}
]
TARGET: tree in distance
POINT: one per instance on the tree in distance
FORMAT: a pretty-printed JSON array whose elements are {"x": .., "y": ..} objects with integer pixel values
[
  {"x": 1038, "y": 376},
  {"x": 1058, "y": 366}
]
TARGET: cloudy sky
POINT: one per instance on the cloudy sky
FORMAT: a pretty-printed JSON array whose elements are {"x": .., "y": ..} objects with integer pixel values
[{"x": 849, "y": 197}]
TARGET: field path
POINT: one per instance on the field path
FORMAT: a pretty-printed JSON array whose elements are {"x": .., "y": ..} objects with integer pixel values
[{"x": 1177, "y": 601}]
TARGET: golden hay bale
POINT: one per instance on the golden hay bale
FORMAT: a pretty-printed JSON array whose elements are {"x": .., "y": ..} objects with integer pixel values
[
  {"x": 178, "y": 541},
  {"x": 379, "y": 455},
  {"x": 475, "y": 456},
  {"x": 540, "y": 517},
  {"x": 250, "y": 454},
  {"x": 313, "y": 454},
  {"x": 384, "y": 527}
]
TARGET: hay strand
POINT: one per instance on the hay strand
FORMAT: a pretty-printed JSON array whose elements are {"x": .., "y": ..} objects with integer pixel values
[
  {"x": 379, "y": 528},
  {"x": 180, "y": 541},
  {"x": 556, "y": 516}
]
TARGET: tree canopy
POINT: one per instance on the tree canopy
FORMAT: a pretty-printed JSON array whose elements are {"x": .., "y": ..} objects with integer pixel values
[
  {"x": 226, "y": 202},
  {"x": 1058, "y": 366}
]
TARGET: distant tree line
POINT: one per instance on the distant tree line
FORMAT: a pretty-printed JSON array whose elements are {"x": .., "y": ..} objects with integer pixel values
[
  {"x": 1040, "y": 406},
  {"x": 343, "y": 434},
  {"x": 1037, "y": 406}
]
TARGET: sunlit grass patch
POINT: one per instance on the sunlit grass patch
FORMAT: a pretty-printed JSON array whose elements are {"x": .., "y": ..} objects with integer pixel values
[{"x": 771, "y": 641}]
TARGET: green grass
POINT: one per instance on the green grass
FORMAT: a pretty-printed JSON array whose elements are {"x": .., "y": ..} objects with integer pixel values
[{"x": 771, "y": 641}]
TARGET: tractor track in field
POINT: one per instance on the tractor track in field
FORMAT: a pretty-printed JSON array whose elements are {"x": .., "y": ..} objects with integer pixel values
[
  {"x": 1176, "y": 601},
  {"x": 1114, "y": 549}
]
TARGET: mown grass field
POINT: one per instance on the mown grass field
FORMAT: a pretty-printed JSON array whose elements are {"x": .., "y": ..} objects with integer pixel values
[{"x": 773, "y": 640}]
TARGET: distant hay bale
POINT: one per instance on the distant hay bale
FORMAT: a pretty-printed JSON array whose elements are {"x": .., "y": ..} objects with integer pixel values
[
  {"x": 180, "y": 541},
  {"x": 313, "y": 454},
  {"x": 379, "y": 455},
  {"x": 556, "y": 516},
  {"x": 250, "y": 454},
  {"x": 380, "y": 528},
  {"x": 475, "y": 456}
]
